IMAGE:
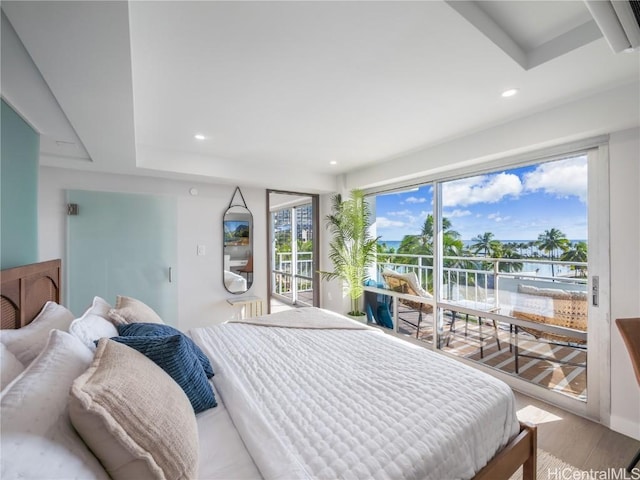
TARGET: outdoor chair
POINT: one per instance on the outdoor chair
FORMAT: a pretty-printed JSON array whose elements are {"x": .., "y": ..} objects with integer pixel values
[
  {"x": 630, "y": 332},
  {"x": 478, "y": 298},
  {"x": 555, "y": 307},
  {"x": 408, "y": 283}
]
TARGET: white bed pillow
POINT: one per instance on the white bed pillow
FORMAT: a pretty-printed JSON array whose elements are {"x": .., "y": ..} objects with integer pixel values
[
  {"x": 131, "y": 310},
  {"x": 27, "y": 342},
  {"x": 38, "y": 440},
  {"x": 10, "y": 366},
  {"x": 94, "y": 324},
  {"x": 134, "y": 416}
]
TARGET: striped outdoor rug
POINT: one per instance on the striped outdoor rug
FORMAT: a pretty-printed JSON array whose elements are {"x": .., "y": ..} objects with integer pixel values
[{"x": 567, "y": 379}]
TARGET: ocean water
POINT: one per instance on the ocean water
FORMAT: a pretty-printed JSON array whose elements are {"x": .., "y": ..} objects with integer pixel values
[
  {"x": 396, "y": 243},
  {"x": 541, "y": 269}
]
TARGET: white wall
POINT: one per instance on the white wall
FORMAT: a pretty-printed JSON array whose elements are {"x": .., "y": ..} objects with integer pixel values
[
  {"x": 624, "y": 153},
  {"x": 201, "y": 293}
]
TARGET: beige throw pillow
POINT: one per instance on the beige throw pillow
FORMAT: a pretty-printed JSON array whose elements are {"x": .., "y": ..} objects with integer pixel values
[
  {"x": 134, "y": 417},
  {"x": 130, "y": 310}
]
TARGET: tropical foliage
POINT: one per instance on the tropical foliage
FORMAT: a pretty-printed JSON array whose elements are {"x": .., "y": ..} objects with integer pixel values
[
  {"x": 552, "y": 241},
  {"x": 551, "y": 244},
  {"x": 576, "y": 253},
  {"x": 487, "y": 245},
  {"x": 351, "y": 248}
]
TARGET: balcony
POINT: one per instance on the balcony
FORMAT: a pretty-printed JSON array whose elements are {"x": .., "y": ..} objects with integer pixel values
[
  {"x": 293, "y": 285},
  {"x": 487, "y": 310}
]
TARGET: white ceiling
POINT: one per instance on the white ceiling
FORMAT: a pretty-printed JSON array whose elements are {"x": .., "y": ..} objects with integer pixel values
[{"x": 290, "y": 86}]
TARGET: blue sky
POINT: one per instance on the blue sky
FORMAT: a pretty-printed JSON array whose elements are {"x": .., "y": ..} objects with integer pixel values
[{"x": 515, "y": 204}]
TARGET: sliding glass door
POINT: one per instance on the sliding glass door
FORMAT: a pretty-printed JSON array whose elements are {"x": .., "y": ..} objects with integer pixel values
[
  {"x": 293, "y": 245},
  {"x": 516, "y": 260}
]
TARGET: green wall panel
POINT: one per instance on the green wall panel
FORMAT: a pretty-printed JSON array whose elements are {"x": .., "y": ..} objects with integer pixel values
[{"x": 18, "y": 190}]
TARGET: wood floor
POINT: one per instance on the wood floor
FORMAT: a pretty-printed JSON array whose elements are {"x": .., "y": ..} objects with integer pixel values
[{"x": 575, "y": 440}]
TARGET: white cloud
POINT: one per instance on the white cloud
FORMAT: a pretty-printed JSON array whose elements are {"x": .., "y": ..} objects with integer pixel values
[
  {"x": 481, "y": 189},
  {"x": 383, "y": 222},
  {"x": 456, "y": 213},
  {"x": 401, "y": 213},
  {"x": 496, "y": 217},
  {"x": 562, "y": 179},
  {"x": 416, "y": 200}
]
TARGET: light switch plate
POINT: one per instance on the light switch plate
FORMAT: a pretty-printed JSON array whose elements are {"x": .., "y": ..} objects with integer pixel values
[{"x": 202, "y": 250}]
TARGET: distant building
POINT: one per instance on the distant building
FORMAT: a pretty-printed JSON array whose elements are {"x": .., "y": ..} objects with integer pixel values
[{"x": 304, "y": 221}]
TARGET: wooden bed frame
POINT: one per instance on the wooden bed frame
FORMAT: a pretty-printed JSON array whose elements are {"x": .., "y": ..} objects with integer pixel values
[
  {"x": 25, "y": 290},
  {"x": 522, "y": 450}
]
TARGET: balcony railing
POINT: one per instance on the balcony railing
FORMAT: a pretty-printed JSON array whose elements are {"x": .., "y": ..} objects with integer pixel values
[
  {"x": 293, "y": 283},
  {"x": 481, "y": 278}
]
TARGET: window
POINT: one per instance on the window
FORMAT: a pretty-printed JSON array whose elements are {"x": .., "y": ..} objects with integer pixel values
[{"x": 506, "y": 256}]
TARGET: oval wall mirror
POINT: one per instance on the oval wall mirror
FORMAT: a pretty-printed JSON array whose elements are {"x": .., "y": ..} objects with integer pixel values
[{"x": 237, "y": 225}]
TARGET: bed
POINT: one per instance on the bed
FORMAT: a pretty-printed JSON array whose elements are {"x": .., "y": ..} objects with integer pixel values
[
  {"x": 234, "y": 283},
  {"x": 311, "y": 394}
]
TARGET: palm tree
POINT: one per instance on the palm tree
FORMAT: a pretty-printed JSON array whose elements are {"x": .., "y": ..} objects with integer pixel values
[
  {"x": 411, "y": 244},
  {"x": 578, "y": 253},
  {"x": 426, "y": 233},
  {"x": 455, "y": 248},
  {"x": 422, "y": 244},
  {"x": 485, "y": 243},
  {"x": 510, "y": 266},
  {"x": 352, "y": 250},
  {"x": 522, "y": 247},
  {"x": 551, "y": 241}
]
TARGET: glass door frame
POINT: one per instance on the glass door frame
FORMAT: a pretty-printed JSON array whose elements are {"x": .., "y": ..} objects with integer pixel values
[
  {"x": 315, "y": 203},
  {"x": 598, "y": 404}
]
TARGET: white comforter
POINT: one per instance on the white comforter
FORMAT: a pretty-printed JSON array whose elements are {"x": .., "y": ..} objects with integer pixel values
[
  {"x": 341, "y": 403},
  {"x": 235, "y": 283}
]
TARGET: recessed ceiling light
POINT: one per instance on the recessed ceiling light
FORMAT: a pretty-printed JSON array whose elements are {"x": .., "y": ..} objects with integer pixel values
[
  {"x": 199, "y": 136},
  {"x": 510, "y": 93},
  {"x": 333, "y": 162}
]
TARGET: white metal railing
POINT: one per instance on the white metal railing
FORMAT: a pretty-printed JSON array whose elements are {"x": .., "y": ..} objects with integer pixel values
[
  {"x": 288, "y": 281},
  {"x": 488, "y": 291},
  {"x": 478, "y": 284}
]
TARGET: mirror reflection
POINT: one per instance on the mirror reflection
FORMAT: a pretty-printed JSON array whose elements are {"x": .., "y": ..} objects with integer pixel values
[{"x": 238, "y": 249}]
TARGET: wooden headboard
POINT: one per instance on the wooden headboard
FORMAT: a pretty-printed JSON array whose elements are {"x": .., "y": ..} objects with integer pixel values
[{"x": 25, "y": 290}]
